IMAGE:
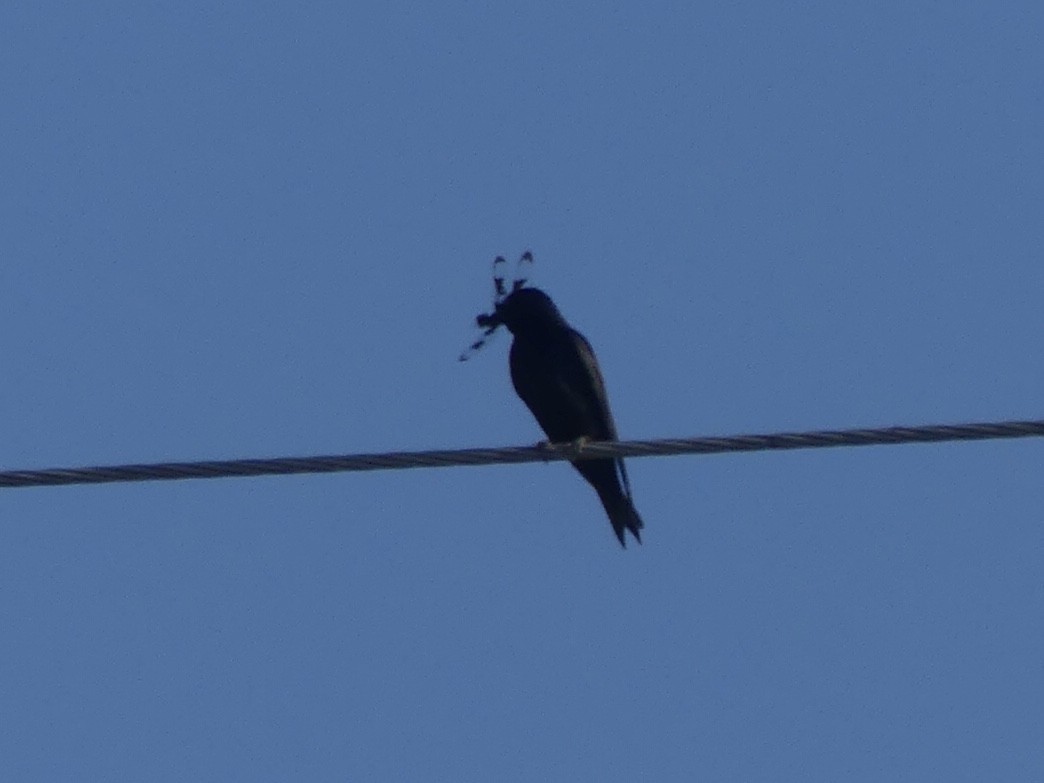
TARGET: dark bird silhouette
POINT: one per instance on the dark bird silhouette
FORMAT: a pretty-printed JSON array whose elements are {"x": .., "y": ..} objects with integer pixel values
[{"x": 554, "y": 371}]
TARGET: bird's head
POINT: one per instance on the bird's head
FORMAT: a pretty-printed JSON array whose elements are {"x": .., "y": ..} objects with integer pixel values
[{"x": 524, "y": 311}]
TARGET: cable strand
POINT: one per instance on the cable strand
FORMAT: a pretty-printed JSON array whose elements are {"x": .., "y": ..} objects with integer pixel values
[{"x": 283, "y": 466}]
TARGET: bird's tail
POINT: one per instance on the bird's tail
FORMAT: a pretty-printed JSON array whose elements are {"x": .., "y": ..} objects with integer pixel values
[{"x": 622, "y": 515}]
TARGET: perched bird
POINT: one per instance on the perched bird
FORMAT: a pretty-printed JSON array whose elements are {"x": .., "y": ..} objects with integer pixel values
[{"x": 554, "y": 371}]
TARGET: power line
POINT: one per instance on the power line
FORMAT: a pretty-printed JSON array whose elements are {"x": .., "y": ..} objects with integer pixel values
[{"x": 569, "y": 451}]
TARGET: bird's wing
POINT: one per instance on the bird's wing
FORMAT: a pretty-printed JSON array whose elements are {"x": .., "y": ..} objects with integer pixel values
[{"x": 584, "y": 376}]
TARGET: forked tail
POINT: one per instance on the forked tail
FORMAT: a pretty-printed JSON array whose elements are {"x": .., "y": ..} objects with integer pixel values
[{"x": 623, "y": 516}]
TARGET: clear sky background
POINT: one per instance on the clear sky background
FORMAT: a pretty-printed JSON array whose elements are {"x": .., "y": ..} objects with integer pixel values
[{"x": 266, "y": 230}]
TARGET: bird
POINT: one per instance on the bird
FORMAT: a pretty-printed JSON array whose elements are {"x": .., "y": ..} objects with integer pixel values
[{"x": 555, "y": 373}]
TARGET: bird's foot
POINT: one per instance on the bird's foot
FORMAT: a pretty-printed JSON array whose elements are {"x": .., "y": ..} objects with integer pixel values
[
  {"x": 570, "y": 448},
  {"x": 546, "y": 446},
  {"x": 574, "y": 447},
  {"x": 580, "y": 442}
]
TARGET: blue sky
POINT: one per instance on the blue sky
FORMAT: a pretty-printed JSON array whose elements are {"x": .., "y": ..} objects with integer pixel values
[{"x": 265, "y": 230}]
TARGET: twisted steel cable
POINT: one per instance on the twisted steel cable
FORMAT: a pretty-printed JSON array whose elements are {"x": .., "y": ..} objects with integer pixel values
[{"x": 166, "y": 471}]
